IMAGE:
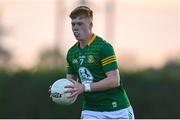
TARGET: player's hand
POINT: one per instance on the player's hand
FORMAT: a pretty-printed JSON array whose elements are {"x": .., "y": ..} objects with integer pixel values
[
  {"x": 49, "y": 91},
  {"x": 75, "y": 89}
]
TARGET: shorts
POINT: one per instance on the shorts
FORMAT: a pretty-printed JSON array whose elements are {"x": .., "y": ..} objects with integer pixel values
[{"x": 126, "y": 113}]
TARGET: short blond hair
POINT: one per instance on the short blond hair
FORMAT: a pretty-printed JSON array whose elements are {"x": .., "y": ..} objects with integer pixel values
[{"x": 81, "y": 11}]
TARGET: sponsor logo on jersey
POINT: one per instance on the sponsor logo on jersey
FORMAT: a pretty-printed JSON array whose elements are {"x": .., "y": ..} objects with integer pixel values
[
  {"x": 75, "y": 61},
  {"x": 85, "y": 75}
]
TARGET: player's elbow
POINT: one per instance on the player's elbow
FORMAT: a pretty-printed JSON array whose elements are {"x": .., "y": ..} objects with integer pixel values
[
  {"x": 114, "y": 78},
  {"x": 115, "y": 81}
]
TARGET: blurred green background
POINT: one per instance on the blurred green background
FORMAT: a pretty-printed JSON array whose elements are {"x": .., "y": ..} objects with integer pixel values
[{"x": 154, "y": 93}]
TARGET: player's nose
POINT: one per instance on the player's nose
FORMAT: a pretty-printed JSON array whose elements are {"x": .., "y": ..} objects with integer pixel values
[{"x": 75, "y": 27}]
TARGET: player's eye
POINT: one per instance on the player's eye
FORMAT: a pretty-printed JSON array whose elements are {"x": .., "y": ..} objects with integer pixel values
[
  {"x": 73, "y": 24},
  {"x": 79, "y": 23}
]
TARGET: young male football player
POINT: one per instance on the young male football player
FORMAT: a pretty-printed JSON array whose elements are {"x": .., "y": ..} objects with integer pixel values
[{"x": 93, "y": 67}]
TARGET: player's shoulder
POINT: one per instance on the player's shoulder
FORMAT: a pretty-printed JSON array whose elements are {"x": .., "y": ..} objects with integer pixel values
[
  {"x": 73, "y": 48},
  {"x": 103, "y": 42}
]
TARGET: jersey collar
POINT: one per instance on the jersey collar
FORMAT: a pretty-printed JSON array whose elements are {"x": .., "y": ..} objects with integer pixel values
[
  {"x": 90, "y": 42},
  {"x": 92, "y": 39}
]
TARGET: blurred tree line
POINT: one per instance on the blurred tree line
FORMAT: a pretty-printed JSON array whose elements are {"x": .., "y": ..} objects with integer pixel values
[
  {"x": 5, "y": 55},
  {"x": 24, "y": 93}
]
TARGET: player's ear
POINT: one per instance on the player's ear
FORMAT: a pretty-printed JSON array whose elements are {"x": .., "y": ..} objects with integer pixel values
[{"x": 91, "y": 25}]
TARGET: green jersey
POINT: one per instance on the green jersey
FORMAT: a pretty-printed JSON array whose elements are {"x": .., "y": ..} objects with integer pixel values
[{"x": 91, "y": 64}]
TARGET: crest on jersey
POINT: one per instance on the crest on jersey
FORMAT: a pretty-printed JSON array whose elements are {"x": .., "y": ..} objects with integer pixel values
[{"x": 90, "y": 59}]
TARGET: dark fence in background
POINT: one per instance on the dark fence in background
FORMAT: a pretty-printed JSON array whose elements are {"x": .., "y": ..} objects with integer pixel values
[{"x": 24, "y": 94}]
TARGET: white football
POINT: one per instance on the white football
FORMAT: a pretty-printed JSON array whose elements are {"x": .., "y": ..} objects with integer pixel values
[{"x": 57, "y": 92}]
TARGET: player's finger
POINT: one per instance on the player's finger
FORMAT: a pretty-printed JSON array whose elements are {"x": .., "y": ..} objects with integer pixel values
[
  {"x": 49, "y": 91},
  {"x": 70, "y": 91},
  {"x": 50, "y": 96},
  {"x": 72, "y": 95},
  {"x": 71, "y": 100},
  {"x": 69, "y": 86},
  {"x": 73, "y": 81},
  {"x": 50, "y": 88}
]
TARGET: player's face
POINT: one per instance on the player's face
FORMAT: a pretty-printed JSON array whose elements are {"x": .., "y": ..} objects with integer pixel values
[{"x": 81, "y": 28}]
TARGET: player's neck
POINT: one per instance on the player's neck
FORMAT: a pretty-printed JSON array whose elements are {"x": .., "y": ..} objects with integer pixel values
[{"x": 83, "y": 43}]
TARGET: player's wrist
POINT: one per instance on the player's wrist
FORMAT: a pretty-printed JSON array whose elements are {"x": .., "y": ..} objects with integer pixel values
[{"x": 87, "y": 87}]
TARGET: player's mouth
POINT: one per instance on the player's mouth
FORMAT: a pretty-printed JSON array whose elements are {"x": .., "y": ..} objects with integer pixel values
[{"x": 76, "y": 34}]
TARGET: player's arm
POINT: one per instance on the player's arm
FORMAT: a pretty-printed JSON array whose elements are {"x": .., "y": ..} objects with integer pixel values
[
  {"x": 111, "y": 81},
  {"x": 72, "y": 77},
  {"x": 70, "y": 70},
  {"x": 110, "y": 67}
]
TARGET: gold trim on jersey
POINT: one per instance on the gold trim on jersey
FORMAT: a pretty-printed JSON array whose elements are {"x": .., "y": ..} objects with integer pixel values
[
  {"x": 108, "y": 60},
  {"x": 92, "y": 39},
  {"x": 89, "y": 43}
]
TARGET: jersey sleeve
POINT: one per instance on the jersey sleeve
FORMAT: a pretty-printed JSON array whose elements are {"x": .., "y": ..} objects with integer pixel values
[
  {"x": 69, "y": 67},
  {"x": 108, "y": 58}
]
